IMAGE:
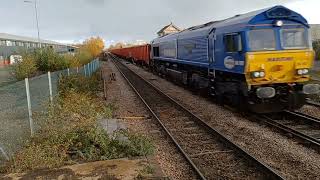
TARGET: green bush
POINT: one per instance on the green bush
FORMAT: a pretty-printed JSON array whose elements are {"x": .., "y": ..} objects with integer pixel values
[
  {"x": 69, "y": 134},
  {"x": 25, "y": 68},
  {"x": 84, "y": 57},
  {"x": 316, "y": 47},
  {"x": 79, "y": 83},
  {"x": 48, "y": 60},
  {"x": 73, "y": 60}
]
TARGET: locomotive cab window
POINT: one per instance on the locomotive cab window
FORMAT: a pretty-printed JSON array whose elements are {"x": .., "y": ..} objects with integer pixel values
[
  {"x": 262, "y": 40},
  {"x": 156, "y": 51},
  {"x": 294, "y": 38},
  {"x": 233, "y": 43}
]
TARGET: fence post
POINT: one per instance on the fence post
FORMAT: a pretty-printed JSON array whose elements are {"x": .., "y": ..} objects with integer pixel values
[
  {"x": 77, "y": 70},
  {"x": 85, "y": 71},
  {"x": 29, "y": 106},
  {"x": 68, "y": 71},
  {"x": 50, "y": 87},
  {"x": 88, "y": 66},
  {"x": 4, "y": 154}
]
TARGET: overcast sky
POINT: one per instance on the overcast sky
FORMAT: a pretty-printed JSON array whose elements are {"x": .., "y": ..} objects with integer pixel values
[{"x": 127, "y": 20}]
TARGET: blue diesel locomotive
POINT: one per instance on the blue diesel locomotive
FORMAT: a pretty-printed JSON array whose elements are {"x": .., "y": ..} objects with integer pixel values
[{"x": 259, "y": 60}]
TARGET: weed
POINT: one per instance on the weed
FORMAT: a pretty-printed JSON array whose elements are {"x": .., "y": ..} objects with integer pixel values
[{"x": 70, "y": 133}]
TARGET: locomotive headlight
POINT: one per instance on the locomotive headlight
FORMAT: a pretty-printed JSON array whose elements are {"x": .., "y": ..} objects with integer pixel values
[
  {"x": 302, "y": 71},
  {"x": 258, "y": 74},
  {"x": 278, "y": 23}
]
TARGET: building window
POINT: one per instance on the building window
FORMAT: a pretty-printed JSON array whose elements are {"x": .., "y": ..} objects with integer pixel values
[
  {"x": 26, "y": 44},
  {"x": 9, "y": 43},
  {"x": 3, "y": 43},
  {"x": 18, "y": 43}
]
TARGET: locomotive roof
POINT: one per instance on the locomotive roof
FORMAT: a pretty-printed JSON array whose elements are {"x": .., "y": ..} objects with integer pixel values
[{"x": 242, "y": 19}]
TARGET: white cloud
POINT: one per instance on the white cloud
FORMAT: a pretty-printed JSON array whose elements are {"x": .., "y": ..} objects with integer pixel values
[
  {"x": 307, "y": 8},
  {"x": 126, "y": 20}
]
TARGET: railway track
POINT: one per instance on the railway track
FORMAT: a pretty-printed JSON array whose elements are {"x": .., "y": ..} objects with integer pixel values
[
  {"x": 312, "y": 103},
  {"x": 304, "y": 127},
  {"x": 210, "y": 154}
]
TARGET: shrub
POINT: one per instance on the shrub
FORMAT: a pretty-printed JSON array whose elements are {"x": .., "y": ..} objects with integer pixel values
[
  {"x": 83, "y": 56},
  {"x": 25, "y": 68},
  {"x": 79, "y": 83},
  {"x": 72, "y": 60},
  {"x": 316, "y": 47},
  {"x": 48, "y": 60},
  {"x": 70, "y": 133}
]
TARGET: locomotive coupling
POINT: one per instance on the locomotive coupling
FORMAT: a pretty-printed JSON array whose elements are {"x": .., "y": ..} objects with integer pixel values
[
  {"x": 266, "y": 92},
  {"x": 311, "y": 89}
]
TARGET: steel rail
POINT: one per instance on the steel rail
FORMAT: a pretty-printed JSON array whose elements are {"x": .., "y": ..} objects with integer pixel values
[
  {"x": 272, "y": 174},
  {"x": 195, "y": 168},
  {"x": 292, "y": 125},
  {"x": 312, "y": 103}
]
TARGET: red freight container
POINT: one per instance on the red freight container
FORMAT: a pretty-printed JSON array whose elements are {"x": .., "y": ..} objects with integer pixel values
[{"x": 139, "y": 54}]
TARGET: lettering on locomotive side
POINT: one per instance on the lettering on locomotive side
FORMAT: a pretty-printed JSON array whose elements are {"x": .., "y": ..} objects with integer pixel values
[{"x": 281, "y": 59}]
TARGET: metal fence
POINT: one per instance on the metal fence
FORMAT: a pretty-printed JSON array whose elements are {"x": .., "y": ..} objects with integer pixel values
[{"x": 20, "y": 101}]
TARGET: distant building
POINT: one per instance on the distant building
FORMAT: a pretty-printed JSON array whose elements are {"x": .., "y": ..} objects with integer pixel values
[
  {"x": 315, "y": 32},
  {"x": 11, "y": 45},
  {"x": 171, "y": 28}
]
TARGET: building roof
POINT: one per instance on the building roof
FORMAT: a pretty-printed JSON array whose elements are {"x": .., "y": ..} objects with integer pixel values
[
  {"x": 171, "y": 24},
  {"x": 6, "y": 36}
]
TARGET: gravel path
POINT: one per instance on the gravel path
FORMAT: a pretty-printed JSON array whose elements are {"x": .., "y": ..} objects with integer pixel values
[
  {"x": 294, "y": 161},
  {"x": 310, "y": 110},
  {"x": 132, "y": 110}
]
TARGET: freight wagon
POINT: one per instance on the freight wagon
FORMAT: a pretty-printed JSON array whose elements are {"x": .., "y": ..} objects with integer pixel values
[{"x": 138, "y": 54}]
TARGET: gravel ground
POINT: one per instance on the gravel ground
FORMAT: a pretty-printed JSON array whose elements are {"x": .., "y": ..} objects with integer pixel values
[
  {"x": 310, "y": 110},
  {"x": 294, "y": 161},
  {"x": 136, "y": 117}
]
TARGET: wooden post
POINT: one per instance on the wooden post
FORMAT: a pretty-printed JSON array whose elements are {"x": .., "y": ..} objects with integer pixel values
[{"x": 105, "y": 89}]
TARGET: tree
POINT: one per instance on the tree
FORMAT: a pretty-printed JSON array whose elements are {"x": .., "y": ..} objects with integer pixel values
[
  {"x": 119, "y": 45},
  {"x": 94, "y": 46},
  {"x": 316, "y": 47}
]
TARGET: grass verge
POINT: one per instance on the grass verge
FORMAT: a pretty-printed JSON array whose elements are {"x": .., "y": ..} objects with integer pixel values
[{"x": 70, "y": 132}]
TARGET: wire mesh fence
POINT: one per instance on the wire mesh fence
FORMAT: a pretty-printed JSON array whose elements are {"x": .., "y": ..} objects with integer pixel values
[{"x": 16, "y": 112}]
